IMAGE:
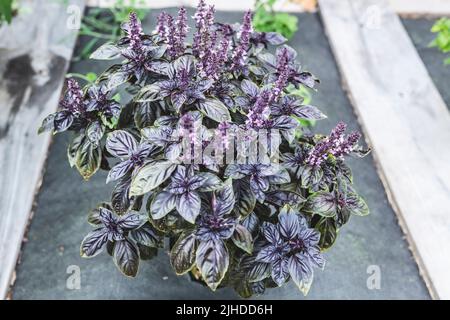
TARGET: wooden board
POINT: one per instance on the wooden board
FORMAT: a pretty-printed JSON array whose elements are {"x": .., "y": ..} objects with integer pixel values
[
  {"x": 35, "y": 51},
  {"x": 223, "y": 5},
  {"x": 421, "y": 7},
  {"x": 406, "y": 122},
  {"x": 407, "y": 7}
]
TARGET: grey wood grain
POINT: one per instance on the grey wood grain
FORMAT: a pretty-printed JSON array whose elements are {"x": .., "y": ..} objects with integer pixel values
[
  {"x": 35, "y": 51},
  {"x": 406, "y": 121}
]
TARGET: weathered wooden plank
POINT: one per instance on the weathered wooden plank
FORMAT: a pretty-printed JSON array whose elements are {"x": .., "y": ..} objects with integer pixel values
[
  {"x": 223, "y": 5},
  {"x": 406, "y": 121},
  {"x": 421, "y": 7},
  {"x": 407, "y": 7},
  {"x": 35, "y": 51}
]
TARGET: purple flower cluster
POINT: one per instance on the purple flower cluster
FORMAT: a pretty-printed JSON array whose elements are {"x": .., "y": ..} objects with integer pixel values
[
  {"x": 173, "y": 32},
  {"x": 161, "y": 25},
  {"x": 283, "y": 71},
  {"x": 337, "y": 144},
  {"x": 240, "y": 54},
  {"x": 73, "y": 102},
  {"x": 211, "y": 51},
  {"x": 134, "y": 32},
  {"x": 260, "y": 111}
]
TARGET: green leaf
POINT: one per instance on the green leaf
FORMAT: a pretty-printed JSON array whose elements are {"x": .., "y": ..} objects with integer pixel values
[
  {"x": 6, "y": 10},
  {"x": 182, "y": 255},
  {"x": 91, "y": 77},
  {"x": 88, "y": 158},
  {"x": 215, "y": 110},
  {"x": 322, "y": 203},
  {"x": 151, "y": 176},
  {"x": 126, "y": 257},
  {"x": 243, "y": 239}
]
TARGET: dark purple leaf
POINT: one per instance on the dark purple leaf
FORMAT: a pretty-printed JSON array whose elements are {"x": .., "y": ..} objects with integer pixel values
[
  {"x": 48, "y": 124},
  {"x": 212, "y": 259},
  {"x": 162, "y": 204},
  {"x": 243, "y": 239},
  {"x": 282, "y": 176},
  {"x": 224, "y": 200},
  {"x": 151, "y": 176},
  {"x": 63, "y": 120},
  {"x": 280, "y": 271},
  {"x": 301, "y": 272},
  {"x": 93, "y": 243},
  {"x": 214, "y": 109},
  {"x": 178, "y": 99},
  {"x": 274, "y": 38},
  {"x": 147, "y": 236},
  {"x": 283, "y": 197},
  {"x": 121, "y": 144},
  {"x": 271, "y": 233},
  {"x": 132, "y": 220},
  {"x": 188, "y": 206},
  {"x": 251, "y": 222},
  {"x": 289, "y": 225},
  {"x": 355, "y": 204},
  {"x": 108, "y": 51},
  {"x": 209, "y": 182},
  {"x": 88, "y": 158},
  {"x": 245, "y": 199},
  {"x": 322, "y": 203},
  {"x": 120, "y": 198},
  {"x": 182, "y": 254},
  {"x": 309, "y": 112},
  {"x": 249, "y": 88},
  {"x": 126, "y": 257},
  {"x": 307, "y": 79},
  {"x": 119, "y": 170}
]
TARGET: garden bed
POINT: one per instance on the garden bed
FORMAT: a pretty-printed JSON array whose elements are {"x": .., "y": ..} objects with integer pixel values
[{"x": 60, "y": 219}]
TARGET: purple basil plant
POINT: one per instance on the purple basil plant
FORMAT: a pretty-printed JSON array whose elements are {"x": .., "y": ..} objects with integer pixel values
[{"x": 248, "y": 224}]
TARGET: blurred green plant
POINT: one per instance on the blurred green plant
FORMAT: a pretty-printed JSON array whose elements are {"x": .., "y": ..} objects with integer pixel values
[
  {"x": 304, "y": 94},
  {"x": 442, "y": 40},
  {"x": 7, "y": 10},
  {"x": 104, "y": 24},
  {"x": 265, "y": 19},
  {"x": 89, "y": 77}
]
